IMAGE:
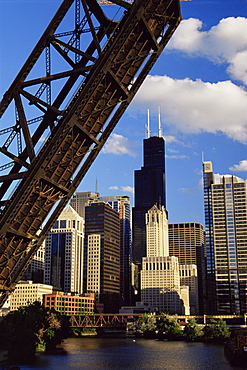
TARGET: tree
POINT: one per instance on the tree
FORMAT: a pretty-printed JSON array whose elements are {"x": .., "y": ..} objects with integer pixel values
[
  {"x": 216, "y": 331},
  {"x": 22, "y": 331},
  {"x": 192, "y": 330},
  {"x": 167, "y": 327},
  {"x": 147, "y": 325}
]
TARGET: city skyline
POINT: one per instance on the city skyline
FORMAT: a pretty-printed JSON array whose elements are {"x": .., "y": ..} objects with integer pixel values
[{"x": 198, "y": 83}]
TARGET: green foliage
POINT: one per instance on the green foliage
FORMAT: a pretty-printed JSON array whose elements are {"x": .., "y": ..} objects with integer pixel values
[
  {"x": 216, "y": 331},
  {"x": 30, "y": 327},
  {"x": 167, "y": 327},
  {"x": 164, "y": 326},
  {"x": 147, "y": 325},
  {"x": 193, "y": 331}
]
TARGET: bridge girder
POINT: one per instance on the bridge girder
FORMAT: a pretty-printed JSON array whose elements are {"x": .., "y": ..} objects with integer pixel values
[{"x": 92, "y": 85}]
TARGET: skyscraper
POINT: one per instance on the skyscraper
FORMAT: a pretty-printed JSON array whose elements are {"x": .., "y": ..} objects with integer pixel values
[
  {"x": 160, "y": 277},
  {"x": 102, "y": 254},
  {"x": 157, "y": 232},
  {"x": 187, "y": 242},
  {"x": 82, "y": 199},
  {"x": 122, "y": 205},
  {"x": 64, "y": 252},
  {"x": 36, "y": 269},
  {"x": 149, "y": 190},
  {"x": 225, "y": 204}
]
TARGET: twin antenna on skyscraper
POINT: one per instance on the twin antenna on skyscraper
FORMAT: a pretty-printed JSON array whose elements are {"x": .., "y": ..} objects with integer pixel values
[{"x": 159, "y": 124}]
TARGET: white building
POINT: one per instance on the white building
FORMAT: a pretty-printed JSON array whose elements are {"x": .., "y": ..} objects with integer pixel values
[
  {"x": 160, "y": 279},
  {"x": 157, "y": 232},
  {"x": 188, "y": 277},
  {"x": 160, "y": 285},
  {"x": 185, "y": 299},
  {"x": 27, "y": 292},
  {"x": 64, "y": 253}
]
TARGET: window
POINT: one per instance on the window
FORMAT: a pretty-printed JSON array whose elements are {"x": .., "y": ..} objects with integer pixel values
[{"x": 62, "y": 224}]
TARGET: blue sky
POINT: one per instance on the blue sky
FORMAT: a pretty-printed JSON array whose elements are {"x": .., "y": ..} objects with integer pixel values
[{"x": 199, "y": 83}]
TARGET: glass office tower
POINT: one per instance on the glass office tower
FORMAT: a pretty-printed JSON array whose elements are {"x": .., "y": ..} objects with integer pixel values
[{"x": 225, "y": 205}]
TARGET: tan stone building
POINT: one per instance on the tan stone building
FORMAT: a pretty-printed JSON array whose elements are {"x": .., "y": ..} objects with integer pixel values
[{"x": 27, "y": 292}]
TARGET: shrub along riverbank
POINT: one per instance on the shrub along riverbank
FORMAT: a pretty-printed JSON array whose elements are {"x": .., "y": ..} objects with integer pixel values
[
  {"x": 167, "y": 327},
  {"x": 32, "y": 328}
]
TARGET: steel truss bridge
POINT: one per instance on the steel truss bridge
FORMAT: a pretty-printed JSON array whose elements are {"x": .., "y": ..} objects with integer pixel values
[
  {"x": 61, "y": 108},
  {"x": 102, "y": 320},
  {"x": 120, "y": 320}
]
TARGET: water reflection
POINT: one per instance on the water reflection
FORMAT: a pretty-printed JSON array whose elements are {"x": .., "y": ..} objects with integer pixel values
[{"x": 127, "y": 353}]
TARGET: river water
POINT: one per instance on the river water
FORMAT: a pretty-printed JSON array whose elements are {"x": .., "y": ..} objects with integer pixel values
[{"x": 94, "y": 353}]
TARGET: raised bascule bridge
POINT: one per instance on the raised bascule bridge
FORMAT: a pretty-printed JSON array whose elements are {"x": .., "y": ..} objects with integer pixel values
[{"x": 61, "y": 108}]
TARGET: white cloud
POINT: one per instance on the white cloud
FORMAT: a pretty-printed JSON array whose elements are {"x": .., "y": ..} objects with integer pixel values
[
  {"x": 218, "y": 177},
  {"x": 191, "y": 191},
  {"x": 242, "y": 166},
  {"x": 128, "y": 189},
  {"x": 224, "y": 43},
  {"x": 187, "y": 37},
  {"x": 118, "y": 144},
  {"x": 113, "y": 187},
  {"x": 177, "y": 156},
  {"x": 196, "y": 106},
  {"x": 170, "y": 138}
]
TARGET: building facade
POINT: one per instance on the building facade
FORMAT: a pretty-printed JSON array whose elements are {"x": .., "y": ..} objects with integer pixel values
[
  {"x": 82, "y": 199},
  {"x": 189, "y": 278},
  {"x": 187, "y": 242},
  {"x": 36, "y": 268},
  {"x": 160, "y": 285},
  {"x": 225, "y": 204},
  {"x": 121, "y": 204},
  {"x": 64, "y": 253},
  {"x": 160, "y": 276},
  {"x": 149, "y": 190},
  {"x": 68, "y": 304},
  {"x": 27, "y": 292},
  {"x": 102, "y": 254},
  {"x": 157, "y": 232}
]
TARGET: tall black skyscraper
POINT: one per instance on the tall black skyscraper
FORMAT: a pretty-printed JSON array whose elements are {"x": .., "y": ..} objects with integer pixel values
[{"x": 149, "y": 190}]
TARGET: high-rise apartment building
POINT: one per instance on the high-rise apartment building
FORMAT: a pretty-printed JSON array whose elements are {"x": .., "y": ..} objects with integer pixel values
[
  {"x": 102, "y": 254},
  {"x": 187, "y": 242},
  {"x": 149, "y": 190},
  {"x": 225, "y": 205},
  {"x": 121, "y": 204},
  {"x": 64, "y": 253}
]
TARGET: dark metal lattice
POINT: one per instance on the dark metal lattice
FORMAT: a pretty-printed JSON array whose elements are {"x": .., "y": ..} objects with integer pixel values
[{"x": 64, "y": 114}]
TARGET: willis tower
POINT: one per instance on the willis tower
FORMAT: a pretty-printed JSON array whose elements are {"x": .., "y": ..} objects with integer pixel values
[{"x": 149, "y": 190}]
